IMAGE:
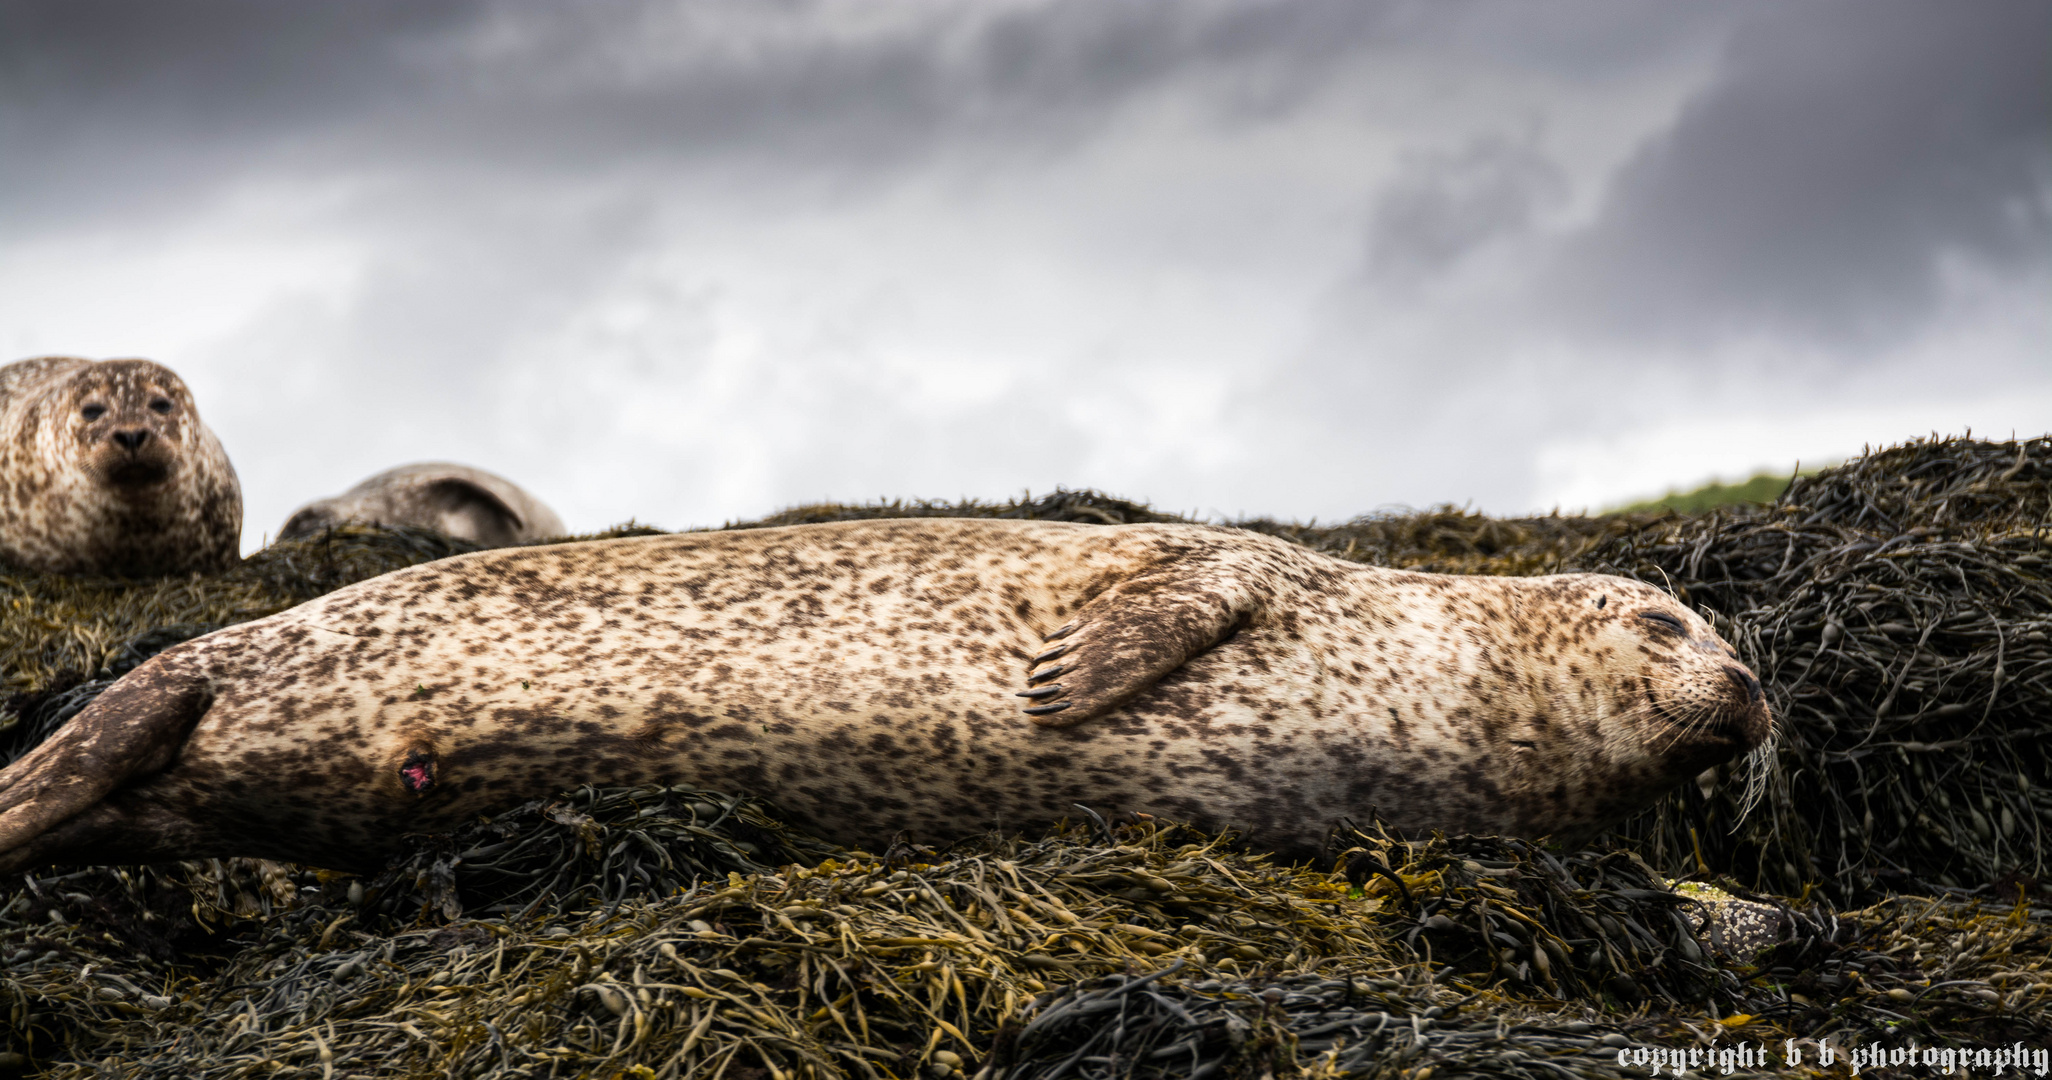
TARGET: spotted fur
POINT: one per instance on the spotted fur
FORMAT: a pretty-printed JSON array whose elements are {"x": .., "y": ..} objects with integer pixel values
[
  {"x": 105, "y": 468},
  {"x": 472, "y": 504},
  {"x": 866, "y": 675}
]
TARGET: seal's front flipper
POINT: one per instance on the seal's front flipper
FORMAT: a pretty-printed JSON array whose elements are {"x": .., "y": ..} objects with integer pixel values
[
  {"x": 136, "y": 727},
  {"x": 1131, "y": 635}
]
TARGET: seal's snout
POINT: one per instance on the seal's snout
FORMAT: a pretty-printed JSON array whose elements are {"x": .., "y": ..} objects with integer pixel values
[
  {"x": 1748, "y": 686},
  {"x": 131, "y": 470},
  {"x": 138, "y": 458},
  {"x": 1741, "y": 717}
]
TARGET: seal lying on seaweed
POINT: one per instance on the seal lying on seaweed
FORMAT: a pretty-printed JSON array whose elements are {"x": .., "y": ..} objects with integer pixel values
[
  {"x": 456, "y": 500},
  {"x": 943, "y": 676}
]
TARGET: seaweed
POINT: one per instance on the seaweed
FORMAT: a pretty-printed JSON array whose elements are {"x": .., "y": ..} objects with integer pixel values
[
  {"x": 1452, "y": 540},
  {"x": 1888, "y": 888},
  {"x": 855, "y": 965},
  {"x": 566, "y": 851},
  {"x": 1142, "y": 949},
  {"x": 1897, "y": 609},
  {"x": 1086, "y": 507}
]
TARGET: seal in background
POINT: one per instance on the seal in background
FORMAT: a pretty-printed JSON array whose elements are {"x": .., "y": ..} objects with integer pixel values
[
  {"x": 109, "y": 470},
  {"x": 469, "y": 504}
]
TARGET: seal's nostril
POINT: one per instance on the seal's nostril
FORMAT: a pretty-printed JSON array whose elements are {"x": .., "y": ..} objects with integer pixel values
[
  {"x": 133, "y": 440},
  {"x": 1746, "y": 683}
]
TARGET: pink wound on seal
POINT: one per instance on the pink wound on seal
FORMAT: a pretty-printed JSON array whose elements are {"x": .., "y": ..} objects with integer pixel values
[{"x": 418, "y": 772}]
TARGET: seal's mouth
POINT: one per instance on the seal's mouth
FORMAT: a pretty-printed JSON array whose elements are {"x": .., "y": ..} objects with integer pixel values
[
  {"x": 136, "y": 474},
  {"x": 1734, "y": 723},
  {"x": 1728, "y": 731},
  {"x": 1730, "y": 724}
]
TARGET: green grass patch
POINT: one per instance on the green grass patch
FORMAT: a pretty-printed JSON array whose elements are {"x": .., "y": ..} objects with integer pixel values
[{"x": 1762, "y": 488}]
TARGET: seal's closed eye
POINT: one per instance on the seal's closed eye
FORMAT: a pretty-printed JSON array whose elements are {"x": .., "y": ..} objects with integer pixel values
[{"x": 1663, "y": 621}]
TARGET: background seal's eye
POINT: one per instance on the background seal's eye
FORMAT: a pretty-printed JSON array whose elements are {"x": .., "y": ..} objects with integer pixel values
[
  {"x": 161, "y": 405},
  {"x": 93, "y": 412},
  {"x": 1663, "y": 621}
]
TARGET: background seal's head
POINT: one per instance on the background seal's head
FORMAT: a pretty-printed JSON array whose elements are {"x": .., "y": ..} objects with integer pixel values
[{"x": 125, "y": 424}]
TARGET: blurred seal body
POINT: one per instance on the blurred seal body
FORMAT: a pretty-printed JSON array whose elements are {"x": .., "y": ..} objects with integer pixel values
[
  {"x": 874, "y": 676},
  {"x": 470, "y": 504},
  {"x": 105, "y": 468}
]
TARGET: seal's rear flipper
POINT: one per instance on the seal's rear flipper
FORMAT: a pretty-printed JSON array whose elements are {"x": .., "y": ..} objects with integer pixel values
[
  {"x": 133, "y": 729},
  {"x": 1129, "y": 636}
]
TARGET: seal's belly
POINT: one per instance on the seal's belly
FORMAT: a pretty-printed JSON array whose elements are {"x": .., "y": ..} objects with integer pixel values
[
  {"x": 857, "y": 730},
  {"x": 900, "y": 722}
]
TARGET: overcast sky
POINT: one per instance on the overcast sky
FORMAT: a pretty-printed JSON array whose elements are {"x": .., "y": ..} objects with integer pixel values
[{"x": 695, "y": 262}]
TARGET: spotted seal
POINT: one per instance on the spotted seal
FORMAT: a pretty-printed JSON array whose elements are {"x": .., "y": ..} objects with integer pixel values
[
  {"x": 942, "y": 676},
  {"x": 463, "y": 502},
  {"x": 108, "y": 470}
]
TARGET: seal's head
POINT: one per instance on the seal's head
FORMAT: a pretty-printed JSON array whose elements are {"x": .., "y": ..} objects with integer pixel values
[
  {"x": 470, "y": 504},
  {"x": 1692, "y": 703},
  {"x": 109, "y": 470},
  {"x": 1651, "y": 694},
  {"x": 124, "y": 423}
]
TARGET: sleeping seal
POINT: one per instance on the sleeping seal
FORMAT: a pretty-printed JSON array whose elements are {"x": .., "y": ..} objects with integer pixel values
[
  {"x": 943, "y": 676},
  {"x": 457, "y": 500},
  {"x": 109, "y": 470}
]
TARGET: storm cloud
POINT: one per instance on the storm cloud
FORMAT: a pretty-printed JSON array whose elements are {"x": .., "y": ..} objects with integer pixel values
[
  {"x": 696, "y": 261},
  {"x": 1820, "y": 184}
]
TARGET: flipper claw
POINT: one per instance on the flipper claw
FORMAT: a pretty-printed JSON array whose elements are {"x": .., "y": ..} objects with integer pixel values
[
  {"x": 1043, "y": 710},
  {"x": 1052, "y": 653},
  {"x": 1048, "y": 674}
]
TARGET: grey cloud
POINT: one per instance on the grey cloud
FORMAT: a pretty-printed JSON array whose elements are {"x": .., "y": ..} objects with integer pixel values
[
  {"x": 141, "y": 104},
  {"x": 1818, "y": 188},
  {"x": 505, "y": 171},
  {"x": 1443, "y": 207},
  {"x": 117, "y": 104}
]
